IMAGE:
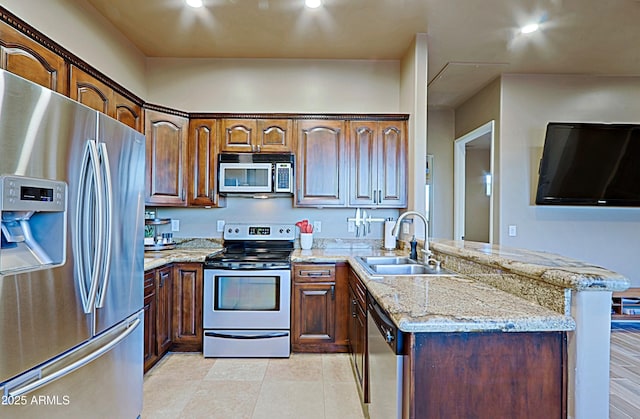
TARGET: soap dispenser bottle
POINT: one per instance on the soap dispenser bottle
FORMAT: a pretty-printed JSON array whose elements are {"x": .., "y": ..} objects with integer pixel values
[{"x": 414, "y": 248}]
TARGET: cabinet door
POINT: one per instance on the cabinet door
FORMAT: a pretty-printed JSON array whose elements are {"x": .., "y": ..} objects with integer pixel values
[
  {"x": 166, "y": 158},
  {"x": 187, "y": 307},
  {"x": 237, "y": 135},
  {"x": 392, "y": 165},
  {"x": 363, "y": 174},
  {"x": 127, "y": 112},
  {"x": 274, "y": 135},
  {"x": 202, "y": 163},
  {"x": 314, "y": 321},
  {"x": 22, "y": 56},
  {"x": 164, "y": 321},
  {"x": 150, "y": 345},
  {"x": 90, "y": 92},
  {"x": 321, "y": 168}
]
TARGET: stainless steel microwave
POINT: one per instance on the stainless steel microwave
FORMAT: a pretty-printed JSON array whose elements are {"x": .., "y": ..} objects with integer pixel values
[{"x": 255, "y": 173}]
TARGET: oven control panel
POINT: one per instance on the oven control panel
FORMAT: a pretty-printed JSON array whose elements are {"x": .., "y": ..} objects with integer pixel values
[{"x": 265, "y": 231}]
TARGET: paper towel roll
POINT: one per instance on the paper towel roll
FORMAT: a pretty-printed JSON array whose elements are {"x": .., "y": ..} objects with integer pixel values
[{"x": 389, "y": 239}]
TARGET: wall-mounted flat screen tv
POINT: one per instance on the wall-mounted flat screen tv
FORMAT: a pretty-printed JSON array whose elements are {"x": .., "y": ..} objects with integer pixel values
[{"x": 590, "y": 164}]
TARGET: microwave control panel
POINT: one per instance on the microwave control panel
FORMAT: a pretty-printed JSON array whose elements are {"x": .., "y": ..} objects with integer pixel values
[{"x": 283, "y": 177}]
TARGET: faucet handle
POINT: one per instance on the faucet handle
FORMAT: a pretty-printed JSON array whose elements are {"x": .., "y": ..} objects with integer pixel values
[{"x": 426, "y": 253}]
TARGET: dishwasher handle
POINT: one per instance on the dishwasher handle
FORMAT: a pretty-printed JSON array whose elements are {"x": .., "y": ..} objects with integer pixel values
[{"x": 389, "y": 331}]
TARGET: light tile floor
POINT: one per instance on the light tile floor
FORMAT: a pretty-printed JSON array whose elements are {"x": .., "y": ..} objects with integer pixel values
[{"x": 306, "y": 386}]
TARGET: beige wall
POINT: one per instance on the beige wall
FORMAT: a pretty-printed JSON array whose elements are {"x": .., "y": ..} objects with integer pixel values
[
  {"x": 607, "y": 237},
  {"x": 484, "y": 107},
  {"x": 263, "y": 85},
  {"x": 441, "y": 135},
  {"x": 80, "y": 29},
  {"x": 413, "y": 100}
]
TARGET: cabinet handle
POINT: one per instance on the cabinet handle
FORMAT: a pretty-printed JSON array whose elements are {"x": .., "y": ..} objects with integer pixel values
[
  {"x": 316, "y": 273},
  {"x": 375, "y": 197},
  {"x": 258, "y": 148},
  {"x": 380, "y": 196},
  {"x": 353, "y": 309},
  {"x": 182, "y": 194},
  {"x": 333, "y": 292},
  {"x": 211, "y": 196}
]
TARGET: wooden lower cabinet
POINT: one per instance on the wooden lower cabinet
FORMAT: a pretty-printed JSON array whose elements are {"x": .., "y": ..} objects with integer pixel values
[
  {"x": 358, "y": 333},
  {"x": 187, "y": 307},
  {"x": 150, "y": 346},
  {"x": 164, "y": 319},
  {"x": 485, "y": 375},
  {"x": 319, "y": 308},
  {"x": 172, "y": 310}
]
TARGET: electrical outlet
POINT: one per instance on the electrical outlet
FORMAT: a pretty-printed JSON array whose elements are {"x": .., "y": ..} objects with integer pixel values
[
  {"x": 220, "y": 226},
  {"x": 405, "y": 228},
  {"x": 513, "y": 230},
  {"x": 317, "y": 226},
  {"x": 351, "y": 226},
  {"x": 175, "y": 225}
]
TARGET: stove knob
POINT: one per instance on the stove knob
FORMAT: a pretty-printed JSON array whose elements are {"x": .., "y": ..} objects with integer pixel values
[
  {"x": 237, "y": 230},
  {"x": 281, "y": 230},
  {"x": 288, "y": 230},
  {"x": 230, "y": 231}
]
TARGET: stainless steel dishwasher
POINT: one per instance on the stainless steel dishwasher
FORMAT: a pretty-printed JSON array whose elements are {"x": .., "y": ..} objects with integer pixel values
[{"x": 385, "y": 346}]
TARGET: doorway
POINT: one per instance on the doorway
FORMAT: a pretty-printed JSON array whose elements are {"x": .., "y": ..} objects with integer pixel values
[{"x": 473, "y": 185}]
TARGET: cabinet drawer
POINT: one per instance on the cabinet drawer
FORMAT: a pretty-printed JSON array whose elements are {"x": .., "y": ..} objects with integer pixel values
[
  {"x": 359, "y": 289},
  {"x": 149, "y": 283},
  {"x": 314, "y": 272}
]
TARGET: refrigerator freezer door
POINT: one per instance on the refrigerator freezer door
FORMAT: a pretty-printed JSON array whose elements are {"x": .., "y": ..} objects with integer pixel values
[
  {"x": 120, "y": 292},
  {"x": 100, "y": 379},
  {"x": 41, "y": 135}
]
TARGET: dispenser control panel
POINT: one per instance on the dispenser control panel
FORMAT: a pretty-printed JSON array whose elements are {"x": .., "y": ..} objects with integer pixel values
[{"x": 30, "y": 194}]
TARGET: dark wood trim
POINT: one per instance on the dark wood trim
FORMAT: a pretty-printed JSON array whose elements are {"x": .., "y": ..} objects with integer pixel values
[
  {"x": 23, "y": 27},
  {"x": 301, "y": 116},
  {"x": 164, "y": 109}
]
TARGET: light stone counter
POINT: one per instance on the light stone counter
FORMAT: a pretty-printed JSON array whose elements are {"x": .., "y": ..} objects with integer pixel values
[
  {"x": 443, "y": 303},
  {"x": 154, "y": 260}
]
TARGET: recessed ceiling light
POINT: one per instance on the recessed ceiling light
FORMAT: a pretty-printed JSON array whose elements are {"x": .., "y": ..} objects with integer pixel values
[
  {"x": 194, "y": 3},
  {"x": 529, "y": 28},
  {"x": 313, "y": 4}
]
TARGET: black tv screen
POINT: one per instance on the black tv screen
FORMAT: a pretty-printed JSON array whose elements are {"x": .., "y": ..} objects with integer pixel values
[{"x": 590, "y": 164}]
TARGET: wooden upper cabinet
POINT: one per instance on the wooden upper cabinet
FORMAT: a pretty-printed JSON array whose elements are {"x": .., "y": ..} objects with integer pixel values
[
  {"x": 202, "y": 190},
  {"x": 275, "y": 135},
  {"x": 238, "y": 135},
  {"x": 90, "y": 92},
  {"x": 254, "y": 136},
  {"x": 128, "y": 112},
  {"x": 166, "y": 159},
  {"x": 28, "y": 59},
  {"x": 93, "y": 93},
  {"x": 321, "y": 167},
  {"x": 378, "y": 165}
]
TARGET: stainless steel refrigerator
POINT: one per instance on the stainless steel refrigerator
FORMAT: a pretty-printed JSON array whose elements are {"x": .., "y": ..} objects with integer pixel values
[{"x": 71, "y": 260}]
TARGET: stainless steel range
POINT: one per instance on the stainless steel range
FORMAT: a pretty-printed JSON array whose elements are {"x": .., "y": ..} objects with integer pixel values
[{"x": 247, "y": 292}]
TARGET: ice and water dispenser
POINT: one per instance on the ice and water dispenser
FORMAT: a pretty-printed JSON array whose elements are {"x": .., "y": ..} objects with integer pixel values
[{"x": 33, "y": 213}]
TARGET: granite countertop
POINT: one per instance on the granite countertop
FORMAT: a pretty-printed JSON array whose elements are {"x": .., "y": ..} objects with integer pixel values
[
  {"x": 551, "y": 268},
  {"x": 445, "y": 303},
  {"x": 154, "y": 260}
]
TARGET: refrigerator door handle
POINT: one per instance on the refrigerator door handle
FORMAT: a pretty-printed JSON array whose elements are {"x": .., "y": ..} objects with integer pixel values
[
  {"x": 89, "y": 189},
  {"x": 108, "y": 223},
  {"x": 68, "y": 369}
]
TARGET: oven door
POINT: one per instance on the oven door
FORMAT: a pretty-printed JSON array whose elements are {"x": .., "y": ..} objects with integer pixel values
[
  {"x": 245, "y": 177},
  {"x": 247, "y": 299}
]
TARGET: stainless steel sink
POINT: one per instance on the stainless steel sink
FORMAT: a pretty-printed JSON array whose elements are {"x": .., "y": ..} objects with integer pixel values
[
  {"x": 386, "y": 260},
  {"x": 391, "y": 265},
  {"x": 412, "y": 269}
]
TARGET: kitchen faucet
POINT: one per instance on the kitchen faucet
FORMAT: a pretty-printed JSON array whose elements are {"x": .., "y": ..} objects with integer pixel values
[{"x": 396, "y": 231}]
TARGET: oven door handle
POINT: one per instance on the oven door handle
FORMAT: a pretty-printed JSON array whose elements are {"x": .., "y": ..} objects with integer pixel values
[{"x": 230, "y": 336}]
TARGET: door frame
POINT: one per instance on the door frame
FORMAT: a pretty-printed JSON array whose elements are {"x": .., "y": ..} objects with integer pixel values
[{"x": 459, "y": 160}]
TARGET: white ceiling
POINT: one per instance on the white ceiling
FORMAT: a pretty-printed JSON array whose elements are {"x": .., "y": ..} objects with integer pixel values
[{"x": 470, "y": 41}]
